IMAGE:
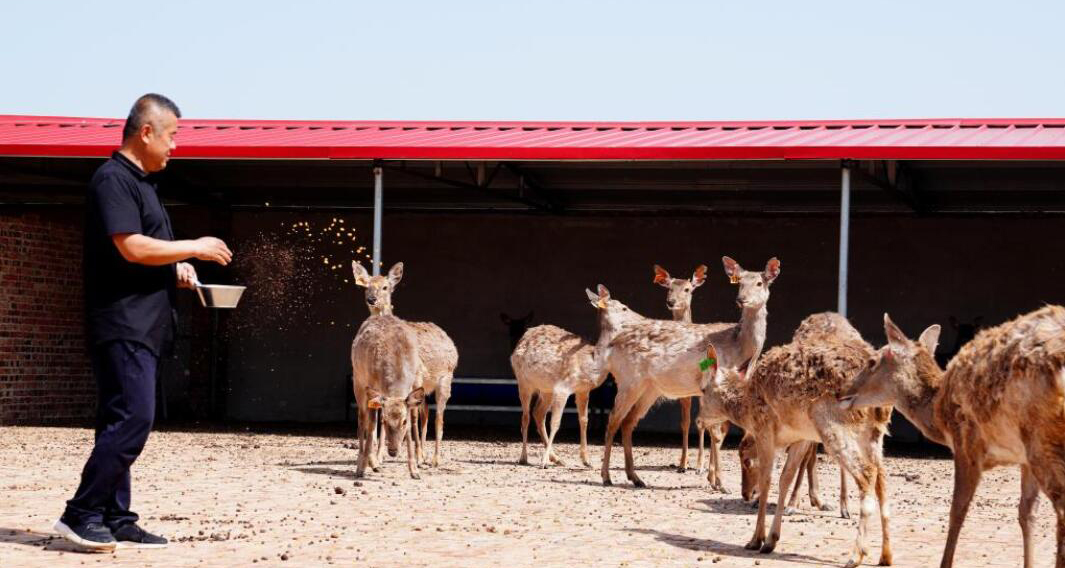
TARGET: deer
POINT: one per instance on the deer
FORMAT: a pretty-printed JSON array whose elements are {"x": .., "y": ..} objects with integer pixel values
[
  {"x": 790, "y": 401},
  {"x": 552, "y": 363},
  {"x": 651, "y": 359},
  {"x": 813, "y": 328},
  {"x": 679, "y": 301},
  {"x": 999, "y": 402},
  {"x": 385, "y": 369},
  {"x": 436, "y": 351}
]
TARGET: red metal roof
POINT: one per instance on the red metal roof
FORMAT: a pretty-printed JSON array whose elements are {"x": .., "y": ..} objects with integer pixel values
[{"x": 946, "y": 139}]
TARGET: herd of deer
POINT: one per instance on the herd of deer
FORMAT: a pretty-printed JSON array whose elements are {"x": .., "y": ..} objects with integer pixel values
[{"x": 1000, "y": 400}]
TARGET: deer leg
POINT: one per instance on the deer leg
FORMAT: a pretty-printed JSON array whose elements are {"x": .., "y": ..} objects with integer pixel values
[
  {"x": 685, "y": 425},
  {"x": 1026, "y": 510},
  {"x": 766, "y": 457},
  {"x": 844, "y": 506},
  {"x": 793, "y": 465},
  {"x": 966, "y": 478},
  {"x": 638, "y": 411},
  {"x": 543, "y": 405},
  {"x": 623, "y": 403},
  {"x": 380, "y": 442},
  {"x": 364, "y": 440},
  {"x": 557, "y": 406},
  {"x": 415, "y": 416},
  {"x": 411, "y": 466},
  {"x": 582, "y": 418},
  {"x": 526, "y": 400},
  {"x": 814, "y": 481},
  {"x": 846, "y": 448},
  {"x": 885, "y": 514},
  {"x": 422, "y": 429},
  {"x": 443, "y": 394},
  {"x": 700, "y": 465},
  {"x": 715, "y": 455},
  {"x": 793, "y": 502}
]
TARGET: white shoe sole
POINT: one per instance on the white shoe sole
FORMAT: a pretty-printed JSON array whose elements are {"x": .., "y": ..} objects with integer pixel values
[
  {"x": 138, "y": 545},
  {"x": 69, "y": 534}
]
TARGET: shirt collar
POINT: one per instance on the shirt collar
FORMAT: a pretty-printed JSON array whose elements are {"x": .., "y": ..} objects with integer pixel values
[{"x": 133, "y": 168}]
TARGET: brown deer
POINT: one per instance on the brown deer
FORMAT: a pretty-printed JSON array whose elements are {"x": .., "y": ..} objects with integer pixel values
[
  {"x": 552, "y": 363},
  {"x": 437, "y": 353},
  {"x": 998, "y": 403},
  {"x": 679, "y": 301},
  {"x": 790, "y": 401},
  {"x": 814, "y": 328},
  {"x": 651, "y": 359},
  {"x": 385, "y": 368}
]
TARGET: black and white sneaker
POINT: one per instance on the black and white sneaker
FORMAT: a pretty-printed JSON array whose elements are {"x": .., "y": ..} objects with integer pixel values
[
  {"x": 90, "y": 536},
  {"x": 132, "y": 536}
]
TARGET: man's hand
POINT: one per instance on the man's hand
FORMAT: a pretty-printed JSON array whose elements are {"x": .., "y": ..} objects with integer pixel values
[
  {"x": 214, "y": 250},
  {"x": 186, "y": 275}
]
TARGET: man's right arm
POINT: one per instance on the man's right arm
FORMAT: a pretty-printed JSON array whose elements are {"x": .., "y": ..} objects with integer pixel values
[{"x": 141, "y": 249}]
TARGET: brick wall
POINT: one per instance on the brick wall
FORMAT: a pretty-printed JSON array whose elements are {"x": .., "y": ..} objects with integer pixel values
[{"x": 44, "y": 373}]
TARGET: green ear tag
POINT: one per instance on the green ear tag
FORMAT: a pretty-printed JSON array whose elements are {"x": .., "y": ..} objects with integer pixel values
[{"x": 706, "y": 363}]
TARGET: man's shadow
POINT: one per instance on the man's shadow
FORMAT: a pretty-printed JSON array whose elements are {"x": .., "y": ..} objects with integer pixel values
[{"x": 41, "y": 540}]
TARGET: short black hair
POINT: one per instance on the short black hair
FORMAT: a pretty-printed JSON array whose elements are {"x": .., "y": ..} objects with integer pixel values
[{"x": 138, "y": 115}]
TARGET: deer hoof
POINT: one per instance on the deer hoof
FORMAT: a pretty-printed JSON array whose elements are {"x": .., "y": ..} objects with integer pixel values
[
  {"x": 885, "y": 559},
  {"x": 845, "y": 514},
  {"x": 607, "y": 482},
  {"x": 789, "y": 510},
  {"x": 824, "y": 507},
  {"x": 415, "y": 475},
  {"x": 523, "y": 460},
  {"x": 638, "y": 483},
  {"x": 755, "y": 544},
  {"x": 768, "y": 545}
]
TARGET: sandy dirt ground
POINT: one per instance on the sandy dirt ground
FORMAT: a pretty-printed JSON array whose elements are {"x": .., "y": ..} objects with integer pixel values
[{"x": 242, "y": 498}]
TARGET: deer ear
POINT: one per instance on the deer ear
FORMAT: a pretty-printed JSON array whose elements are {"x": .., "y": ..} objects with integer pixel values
[
  {"x": 395, "y": 274},
  {"x": 700, "y": 276},
  {"x": 604, "y": 296},
  {"x": 362, "y": 278},
  {"x": 661, "y": 276},
  {"x": 733, "y": 269},
  {"x": 893, "y": 333},
  {"x": 772, "y": 270},
  {"x": 711, "y": 362},
  {"x": 416, "y": 397},
  {"x": 930, "y": 338},
  {"x": 592, "y": 297}
]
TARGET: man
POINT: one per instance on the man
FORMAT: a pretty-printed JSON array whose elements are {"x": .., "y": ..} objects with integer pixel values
[{"x": 132, "y": 270}]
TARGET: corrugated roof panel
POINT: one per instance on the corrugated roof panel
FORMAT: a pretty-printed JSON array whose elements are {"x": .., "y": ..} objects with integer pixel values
[{"x": 955, "y": 139}]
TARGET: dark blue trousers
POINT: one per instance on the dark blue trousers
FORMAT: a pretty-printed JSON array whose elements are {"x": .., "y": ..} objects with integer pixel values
[{"x": 125, "y": 381}]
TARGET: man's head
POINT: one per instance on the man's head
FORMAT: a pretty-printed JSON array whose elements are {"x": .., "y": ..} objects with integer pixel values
[{"x": 150, "y": 130}]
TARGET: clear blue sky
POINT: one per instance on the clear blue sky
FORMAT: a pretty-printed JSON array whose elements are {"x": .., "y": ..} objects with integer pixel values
[{"x": 547, "y": 60}]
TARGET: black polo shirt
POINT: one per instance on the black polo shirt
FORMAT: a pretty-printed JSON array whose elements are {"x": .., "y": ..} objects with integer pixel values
[{"x": 125, "y": 300}]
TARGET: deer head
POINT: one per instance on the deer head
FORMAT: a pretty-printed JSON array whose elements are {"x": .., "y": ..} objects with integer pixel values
[
  {"x": 753, "y": 286},
  {"x": 680, "y": 291},
  {"x": 395, "y": 415},
  {"x": 379, "y": 289}
]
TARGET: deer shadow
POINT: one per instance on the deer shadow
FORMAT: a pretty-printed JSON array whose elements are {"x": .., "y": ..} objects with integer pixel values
[{"x": 733, "y": 550}]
